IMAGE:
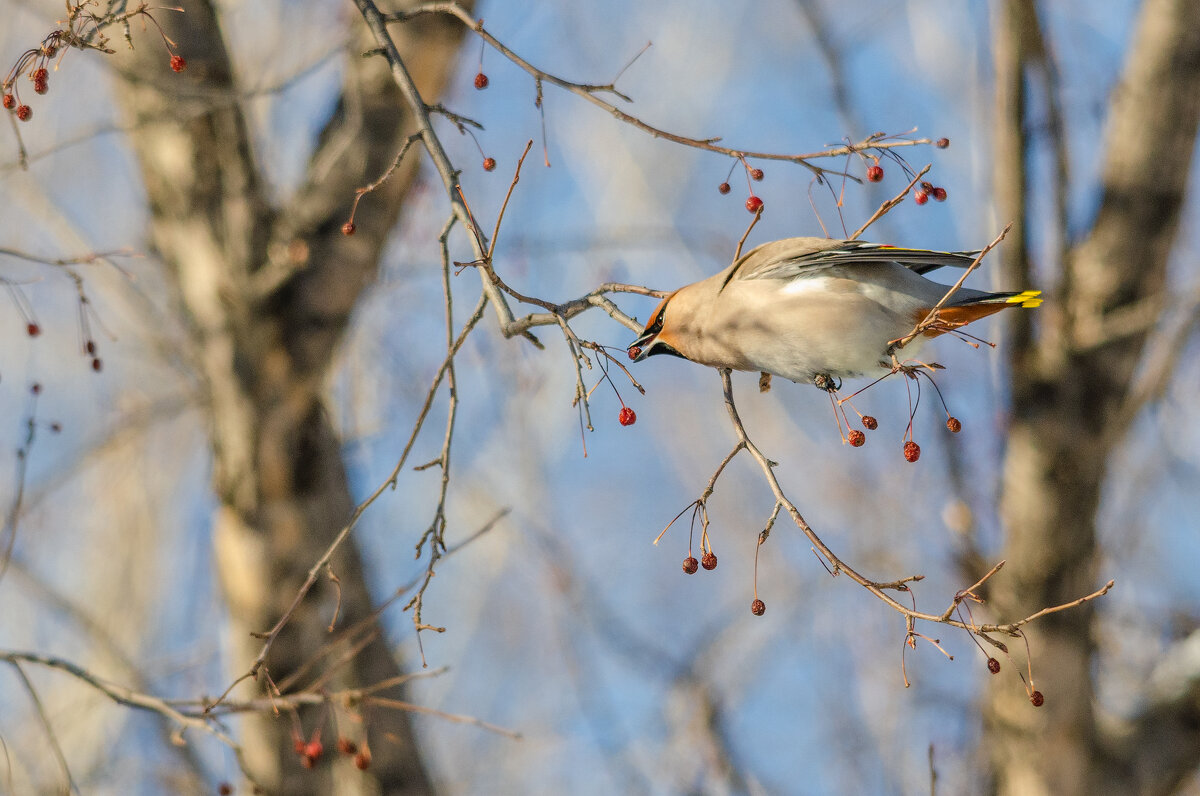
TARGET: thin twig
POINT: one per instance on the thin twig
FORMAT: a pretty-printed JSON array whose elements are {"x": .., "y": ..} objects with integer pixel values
[
  {"x": 50, "y": 734},
  {"x": 592, "y": 93},
  {"x": 390, "y": 482},
  {"x": 457, "y": 718},
  {"x": 890, "y": 203}
]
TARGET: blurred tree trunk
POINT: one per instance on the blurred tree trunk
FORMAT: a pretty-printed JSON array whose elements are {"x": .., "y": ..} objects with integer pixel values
[
  {"x": 267, "y": 294},
  {"x": 1074, "y": 396}
]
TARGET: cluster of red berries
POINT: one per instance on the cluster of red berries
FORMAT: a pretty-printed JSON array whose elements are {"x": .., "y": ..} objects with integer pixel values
[
  {"x": 927, "y": 190},
  {"x": 40, "y": 77},
  {"x": 35, "y": 61},
  {"x": 858, "y": 438},
  {"x": 90, "y": 348},
  {"x": 754, "y": 203},
  {"x": 362, "y": 757},
  {"x": 310, "y": 751},
  {"x": 708, "y": 561},
  {"x": 912, "y": 451}
]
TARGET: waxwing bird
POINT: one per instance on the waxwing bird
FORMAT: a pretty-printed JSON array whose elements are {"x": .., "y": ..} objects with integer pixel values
[{"x": 814, "y": 309}]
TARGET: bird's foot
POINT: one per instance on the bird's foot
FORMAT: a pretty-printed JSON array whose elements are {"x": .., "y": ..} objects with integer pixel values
[
  {"x": 826, "y": 382},
  {"x": 910, "y": 367}
]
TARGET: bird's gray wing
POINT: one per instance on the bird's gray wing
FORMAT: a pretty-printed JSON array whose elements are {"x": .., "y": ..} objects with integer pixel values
[{"x": 798, "y": 257}]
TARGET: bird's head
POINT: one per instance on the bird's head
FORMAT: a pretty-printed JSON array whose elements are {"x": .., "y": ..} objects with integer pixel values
[{"x": 659, "y": 335}]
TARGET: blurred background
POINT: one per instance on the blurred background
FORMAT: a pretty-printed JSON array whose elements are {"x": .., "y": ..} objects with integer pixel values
[{"x": 260, "y": 374}]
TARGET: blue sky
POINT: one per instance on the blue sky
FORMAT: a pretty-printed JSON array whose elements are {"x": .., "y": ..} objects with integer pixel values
[{"x": 566, "y": 623}]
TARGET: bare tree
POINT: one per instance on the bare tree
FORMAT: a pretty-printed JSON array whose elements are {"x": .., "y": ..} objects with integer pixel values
[
  {"x": 1107, "y": 347},
  {"x": 268, "y": 292}
]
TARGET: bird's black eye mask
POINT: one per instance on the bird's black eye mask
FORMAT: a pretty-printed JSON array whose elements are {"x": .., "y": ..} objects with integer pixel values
[
  {"x": 648, "y": 345},
  {"x": 656, "y": 326}
]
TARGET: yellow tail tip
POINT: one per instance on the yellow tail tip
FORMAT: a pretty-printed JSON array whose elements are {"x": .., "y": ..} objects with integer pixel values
[{"x": 1027, "y": 299}]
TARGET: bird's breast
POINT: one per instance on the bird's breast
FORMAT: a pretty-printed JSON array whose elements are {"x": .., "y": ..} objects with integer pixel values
[{"x": 796, "y": 328}]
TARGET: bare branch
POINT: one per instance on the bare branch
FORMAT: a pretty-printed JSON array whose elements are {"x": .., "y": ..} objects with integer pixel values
[
  {"x": 839, "y": 566},
  {"x": 592, "y": 92}
]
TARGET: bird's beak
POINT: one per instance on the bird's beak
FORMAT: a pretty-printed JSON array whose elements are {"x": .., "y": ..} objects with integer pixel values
[{"x": 639, "y": 349}]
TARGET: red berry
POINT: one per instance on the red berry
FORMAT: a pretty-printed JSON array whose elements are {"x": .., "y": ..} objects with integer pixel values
[
  {"x": 920, "y": 197},
  {"x": 942, "y": 143},
  {"x": 993, "y": 666},
  {"x": 954, "y": 424},
  {"x": 177, "y": 63},
  {"x": 41, "y": 86},
  {"x": 10, "y": 102},
  {"x": 33, "y": 329},
  {"x": 912, "y": 451},
  {"x": 927, "y": 187},
  {"x": 722, "y": 188},
  {"x": 90, "y": 347},
  {"x": 870, "y": 423},
  {"x": 481, "y": 81},
  {"x": 856, "y": 438},
  {"x": 627, "y": 416},
  {"x": 758, "y": 607},
  {"x": 348, "y": 228},
  {"x": 224, "y": 789},
  {"x": 939, "y": 194},
  {"x": 709, "y": 561},
  {"x": 41, "y": 74},
  {"x": 298, "y": 744},
  {"x": 50, "y": 50},
  {"x": 346, "y": 746},
  {"x": 634, "y": 352},
  {"x": 1037, "y": 699},
  {"x": 36, "y": 388},
  {"x": 875, "y": 173},
  {"x": 756, "y": 174},
  {"x": 362, "y": 760},
  {"x": 97, "y": 365},
  {"x": 489, "y": 164},
  {"x": 56, "y": 427},
  {"x": 754, "y": 204},
  {"x": 313, "y": 749},
  {"x": 690, "y": 565},
  {"x": 24, "y": 113}
]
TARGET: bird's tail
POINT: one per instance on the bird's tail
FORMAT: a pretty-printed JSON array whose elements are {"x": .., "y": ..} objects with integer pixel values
[
  {"x": 1025, "y": 298},
  {"x": 969, "y": 309}
]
